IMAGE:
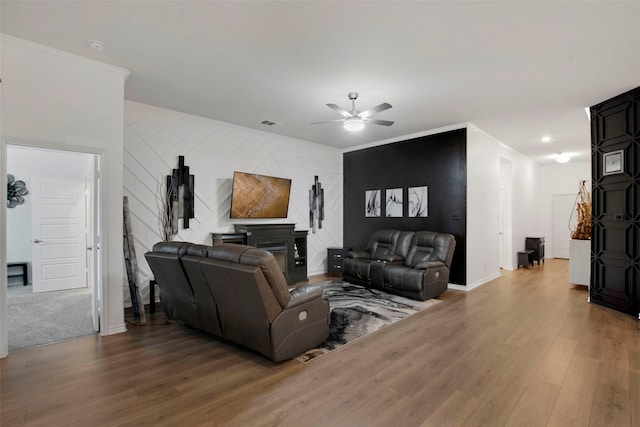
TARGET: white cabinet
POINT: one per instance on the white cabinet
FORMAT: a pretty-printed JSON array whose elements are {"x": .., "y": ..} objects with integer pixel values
[{"x": 579, "y": 262}]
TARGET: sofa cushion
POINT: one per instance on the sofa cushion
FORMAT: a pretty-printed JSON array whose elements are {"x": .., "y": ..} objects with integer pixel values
[
  {"x": 271, "y": 270},
  {"x": 405, "y": 239},
  {"x": 229, "y": 252},
  {"x": 430, "y": 246},
  {"x": 401, "y": 277},
  {"x": 175, "y": 248},
  {"x": 418, "y": 255},
  {"x": 197, "y": 250},
  {"x": 383, "y": 243}
]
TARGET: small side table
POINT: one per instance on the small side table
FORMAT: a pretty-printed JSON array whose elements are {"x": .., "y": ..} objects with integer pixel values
[
  {"x": 23, "y": 273},
  {"x": 525, "y": 258},
  {"x": 335, "y": 256}
]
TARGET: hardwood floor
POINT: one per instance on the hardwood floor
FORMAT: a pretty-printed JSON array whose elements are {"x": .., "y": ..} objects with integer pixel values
[{"x": 522, "y": 350}]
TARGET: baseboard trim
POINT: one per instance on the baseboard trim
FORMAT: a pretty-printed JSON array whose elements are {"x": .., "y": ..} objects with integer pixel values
[
  {"x": 115, "y": 330},
  {"x": 475, "y": 284}
]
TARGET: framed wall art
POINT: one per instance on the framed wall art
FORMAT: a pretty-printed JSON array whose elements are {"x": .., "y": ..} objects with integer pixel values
[
  {"x": 418, "y": 201},
  {"x": 393, "y": 202},
  {"x": 372, "y": 205},
  {"x": 613, "y": 162}
]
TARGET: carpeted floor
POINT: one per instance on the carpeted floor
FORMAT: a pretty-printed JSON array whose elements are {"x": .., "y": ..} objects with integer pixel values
[
  {"x": 47, "y": 317},
  {"x": 357, "y": 311}
]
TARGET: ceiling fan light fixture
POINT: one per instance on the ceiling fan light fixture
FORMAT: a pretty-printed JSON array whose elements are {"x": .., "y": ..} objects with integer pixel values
[{"x": 353, "y": 124}]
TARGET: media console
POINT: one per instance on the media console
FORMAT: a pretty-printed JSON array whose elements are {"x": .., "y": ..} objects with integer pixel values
[{"x": 289, "y": 246}]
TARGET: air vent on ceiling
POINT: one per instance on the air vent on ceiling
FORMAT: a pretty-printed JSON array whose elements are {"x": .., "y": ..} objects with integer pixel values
[{"x": 270, "y": 123}]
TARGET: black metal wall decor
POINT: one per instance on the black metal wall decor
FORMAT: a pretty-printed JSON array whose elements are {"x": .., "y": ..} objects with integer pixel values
[
  {"x": 316, "y": 205},
  {"x": 180, "y": 196},
  {"x": 16, "y": 190}
]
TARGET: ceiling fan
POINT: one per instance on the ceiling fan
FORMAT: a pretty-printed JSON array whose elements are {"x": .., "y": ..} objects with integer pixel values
[{"x": 355, "y": 120}]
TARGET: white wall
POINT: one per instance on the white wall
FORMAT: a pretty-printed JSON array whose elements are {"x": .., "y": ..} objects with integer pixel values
[
  {"x": 58, "y": 100},
  {"x": 506, "y": 187},
  {"x": 554, "y": 180},
  {"x": 483, "y": 202},
  {"x": 26, "y": 163},
  {"x": 155, "y": 137},
  {"x": 490, "y": 166}
]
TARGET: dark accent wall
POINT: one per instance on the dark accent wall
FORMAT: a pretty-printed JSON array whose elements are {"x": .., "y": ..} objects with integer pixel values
[
  {"x": 437, "y": 161},
  {"x": 615, "y": 241}
]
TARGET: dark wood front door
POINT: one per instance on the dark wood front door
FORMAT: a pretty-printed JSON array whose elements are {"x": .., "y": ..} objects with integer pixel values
[{"x": 615, "y": 246}]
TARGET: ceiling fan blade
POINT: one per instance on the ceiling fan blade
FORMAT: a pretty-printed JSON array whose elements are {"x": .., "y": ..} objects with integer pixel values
[
  {"x": 343, "y": 112},
  {"x": 328, "y": 121},
  {"x": 380, "y": 122},
  {"x": 376, "y": 109}
]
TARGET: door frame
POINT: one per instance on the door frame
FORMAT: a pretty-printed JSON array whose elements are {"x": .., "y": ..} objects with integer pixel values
[{"x": 97, "y": 227}]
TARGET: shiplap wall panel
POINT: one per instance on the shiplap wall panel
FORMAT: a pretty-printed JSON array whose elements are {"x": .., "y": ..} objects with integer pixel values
[{"x": 155, "y": 137}]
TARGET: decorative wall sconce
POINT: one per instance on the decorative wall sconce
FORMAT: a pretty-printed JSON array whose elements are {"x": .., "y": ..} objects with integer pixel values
[
  {"x": 16, "y": 190},
  {"x": 316, "y": 205},
  {"x": 180, "y": 199}
]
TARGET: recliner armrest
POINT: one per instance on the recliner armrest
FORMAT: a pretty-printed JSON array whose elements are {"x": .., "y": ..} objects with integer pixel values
[
  {"x": 302, "y": 294},
  {"x": 429, "y": 264},
  {"x": 359, "y": 254}
]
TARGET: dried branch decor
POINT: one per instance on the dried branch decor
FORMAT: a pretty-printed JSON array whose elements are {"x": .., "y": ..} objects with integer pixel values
[
  {"x": 168, "y": 227},
  {"x": 582, "y": 230}
]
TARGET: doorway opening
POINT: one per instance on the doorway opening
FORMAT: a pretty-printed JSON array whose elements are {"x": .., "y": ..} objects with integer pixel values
[{"x": 56, "y": 233}]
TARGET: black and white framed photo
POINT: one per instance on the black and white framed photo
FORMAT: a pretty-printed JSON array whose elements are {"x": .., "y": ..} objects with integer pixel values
[
  {"x": 372, "y": 204},
  {"x": 613, "y": 162},
  {"x": 393, "y": 205},
  {"x": 419, "y": 201}
]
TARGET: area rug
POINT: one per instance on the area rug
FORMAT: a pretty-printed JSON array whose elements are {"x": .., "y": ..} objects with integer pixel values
[{"x": 357, "y": 311}]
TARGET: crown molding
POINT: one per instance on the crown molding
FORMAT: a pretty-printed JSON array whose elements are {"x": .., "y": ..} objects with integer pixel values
[{"x": 407, "y": 137}]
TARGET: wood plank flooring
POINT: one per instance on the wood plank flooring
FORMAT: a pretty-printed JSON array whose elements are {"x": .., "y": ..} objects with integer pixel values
[{"x": 522, "y": 350}]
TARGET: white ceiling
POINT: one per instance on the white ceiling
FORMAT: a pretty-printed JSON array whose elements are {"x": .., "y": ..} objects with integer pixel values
[{"x": 517, "y": 70}]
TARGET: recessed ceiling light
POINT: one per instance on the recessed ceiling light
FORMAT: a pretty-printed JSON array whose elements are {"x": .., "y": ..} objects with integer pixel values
[
  {"x": 546, "y": 138},
  {"x": 562, "y": 158},
  {"x": 96, "y": 45}
]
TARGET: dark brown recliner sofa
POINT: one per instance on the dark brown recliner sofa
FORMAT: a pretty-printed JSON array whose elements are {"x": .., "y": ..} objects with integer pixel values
[
  {"x": 411, "y": 264},
  {"x": 239, "y": 293}
]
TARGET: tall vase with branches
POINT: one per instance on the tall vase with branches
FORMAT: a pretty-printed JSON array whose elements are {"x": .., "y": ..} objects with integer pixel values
[{"x": 582, "y": 230}]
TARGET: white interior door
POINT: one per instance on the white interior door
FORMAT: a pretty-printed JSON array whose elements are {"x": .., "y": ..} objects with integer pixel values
[
  {"x": 562, "y": 211},
  {"x": 59, "y": 234}
]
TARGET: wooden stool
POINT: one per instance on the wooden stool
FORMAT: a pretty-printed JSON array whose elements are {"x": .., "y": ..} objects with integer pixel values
[{"x": 525, "y": 258}]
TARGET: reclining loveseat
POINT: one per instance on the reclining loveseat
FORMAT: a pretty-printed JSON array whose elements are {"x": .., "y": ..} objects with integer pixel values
[
  {"x": 413, "y": 264},
  {"x": 239, "y": 293}
]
